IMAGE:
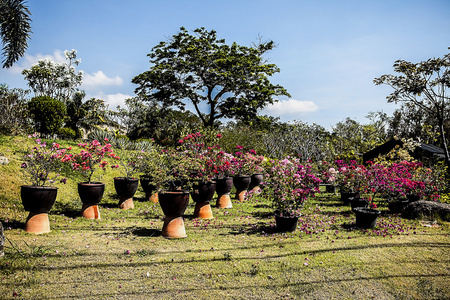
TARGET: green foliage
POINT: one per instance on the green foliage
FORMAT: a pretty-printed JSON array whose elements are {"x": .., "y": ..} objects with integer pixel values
[
  {"x": 424, "y": 87},
  {"x": 231, "y": 79},
  {"x": 48, "y": 114},
  {"x": 15, "y": 30},
  {"x": 350, "y": 139},
  {"x": 147, "y": 120},
  {"x": 55, "y": 80},
  {"x": 13, "y": 110},
  {"x": 100, "y": 135},
  {"x": 85, "y": 115},
  {"x": 66, "y": 133}
]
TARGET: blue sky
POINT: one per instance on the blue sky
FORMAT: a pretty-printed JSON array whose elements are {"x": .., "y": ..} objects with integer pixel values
[{"x": 328, "y": 51}]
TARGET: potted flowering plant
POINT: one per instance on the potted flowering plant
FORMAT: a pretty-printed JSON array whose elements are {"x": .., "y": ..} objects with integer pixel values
[
  {"x": 292, "y": 183},
  {"x": 41, "y": 168},
  {"x": 256, "y": 170},
  {"x": 243, "y": 165},
  {"x": 174, "y": 194},
  {"x": 126, "y": 186},
  {"x": 224, "y": 180},
  {"x": 203, "y": 171},
  {"x": 153, "y": 172},
  {"x": 92, "y": 157},
  {"x": 328, "y": 174},
  {"x": 349, "y": 177}
]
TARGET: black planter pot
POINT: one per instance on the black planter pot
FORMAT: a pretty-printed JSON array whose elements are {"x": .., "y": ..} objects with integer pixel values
[
  {"x": 38, "y": 199},
  {"x": 397, "y": 206},
  {"x": 366, "y": 217},
  {"x": 126, "y": 188},
  {"x": 224, "y": 185},
  {"x": 255, "y": 181},
  {"x": 412, "y": 197},
  {"x": 204, "y": 191},
  {"x": 241, "y": 183},
  {"x": 329, "y": 188},
  {"x": 91, "y": 193},
  {"x": 286, "y": 224},
  {"x": 223, "y": 189},
  {"x": 346, "y": 196},
  {"x": 149, "y": 189},
  {"x": 173, "y": 204},
  {"x": 358, "y": 202}
]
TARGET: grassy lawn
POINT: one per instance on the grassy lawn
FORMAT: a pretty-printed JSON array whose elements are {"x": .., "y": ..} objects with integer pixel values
[{"x": 237, "y": 255}]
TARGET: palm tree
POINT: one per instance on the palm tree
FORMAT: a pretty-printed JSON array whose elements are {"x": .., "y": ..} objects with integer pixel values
[{"x": 15, "y": 30}]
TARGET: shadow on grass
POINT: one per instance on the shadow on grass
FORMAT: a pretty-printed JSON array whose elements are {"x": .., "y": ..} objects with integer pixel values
[
  {"x": 9, "y": 224},
  {"x": 298, "y": 283},
  {"x": 263, "y": 214},
  {"x": 344, "y": 213},
  {"x": 146, "y": 232}
]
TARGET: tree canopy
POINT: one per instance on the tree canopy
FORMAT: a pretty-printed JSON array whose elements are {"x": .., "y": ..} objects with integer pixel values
[
  {"x": 59, "y": 81},
  {"x": 231, "y": 79},
  {"x": 425, "y": 86}
]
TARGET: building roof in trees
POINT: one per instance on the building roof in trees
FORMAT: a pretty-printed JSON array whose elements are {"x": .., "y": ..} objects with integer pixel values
[{"x": 422, "y": 151}]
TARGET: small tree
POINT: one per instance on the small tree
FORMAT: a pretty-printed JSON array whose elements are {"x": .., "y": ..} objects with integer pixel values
[
  {"x": 59, "y": 81},
  {"x": 48, "y": 114},
  {"x": 85, "y": 115},
  {"x": 424, "y": 85},
  {"x": 13, "y": 110},
  {"x": 232, "y": 80}
]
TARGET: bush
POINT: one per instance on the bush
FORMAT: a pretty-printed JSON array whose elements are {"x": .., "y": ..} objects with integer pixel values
[
  {"x": 67, "y": 133},
  {"x": 13, "y": 110},
  {"x": 48, "y": 114}
]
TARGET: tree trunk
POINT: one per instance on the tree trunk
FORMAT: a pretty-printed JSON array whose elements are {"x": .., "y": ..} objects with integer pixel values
[{"x": 444, "y": 142}]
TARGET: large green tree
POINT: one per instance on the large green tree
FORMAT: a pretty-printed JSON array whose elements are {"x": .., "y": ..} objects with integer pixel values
[
  {"x": 425, "y": 86},
  {"x": 232, "y": 80},
  {"x": 15, "y": 30}
]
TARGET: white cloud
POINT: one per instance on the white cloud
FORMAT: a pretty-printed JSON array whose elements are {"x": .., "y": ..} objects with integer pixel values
[
  {"x": 291, "y": 107},
  {"x": 100, "y": 79},
  {"x": 29, "y": 60},
  {"x": 113, "y": 100}
]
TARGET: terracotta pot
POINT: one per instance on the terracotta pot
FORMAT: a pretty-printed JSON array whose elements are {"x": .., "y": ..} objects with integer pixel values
[
  {"x": 223, "y": 189},
  {"x": 173, "y": 204},
  {"x": 91, "y": 194},
  {"x": 126, "y": 188},
  {"x": 286, "y": 224},
  {"x": 255, "y": 181},
  {"x": 38, "y": 201},
  {"x": 150, "y": 190},
  {"x": 203, "y": 193},
  {"x": 366, "y": 217},
  {"x": 241, "y": 183}
]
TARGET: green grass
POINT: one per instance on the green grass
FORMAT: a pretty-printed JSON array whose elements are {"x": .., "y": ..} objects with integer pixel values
[{"x": 237, "y": 254}]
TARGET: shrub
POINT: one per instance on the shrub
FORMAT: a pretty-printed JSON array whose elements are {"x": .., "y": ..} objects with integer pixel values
[
  {"x": 48, "y": 114},
  {"x": 67, "y": 133}
]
